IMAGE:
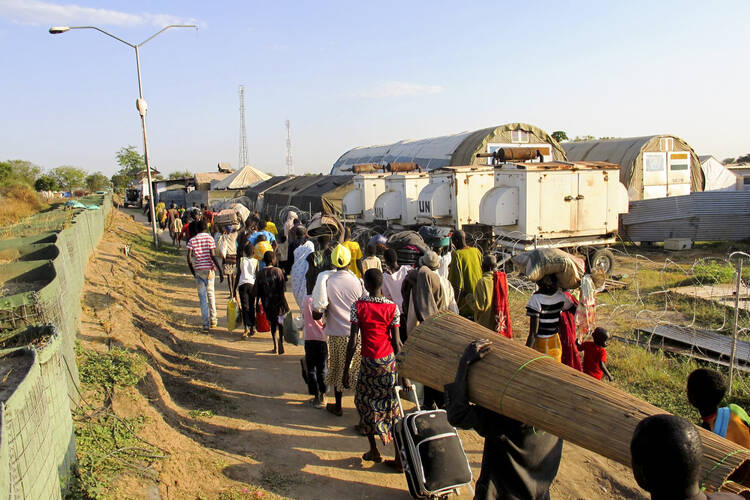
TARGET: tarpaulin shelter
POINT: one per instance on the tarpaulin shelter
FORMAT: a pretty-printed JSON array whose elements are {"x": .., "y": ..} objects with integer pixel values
[
  {"x": 255, "y": 193},
  {"x": 653, "y": 166},
  {"x": 243, "y": 178},
  {"x": 718, "y": 177},
  {"x": 281, "y": 195},
  {"x": 453, "y": 150},
  {"x": 325, "y": 195}
]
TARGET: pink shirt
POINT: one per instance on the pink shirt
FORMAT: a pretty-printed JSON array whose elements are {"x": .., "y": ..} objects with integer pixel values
[{"x": 313, "y": 329}]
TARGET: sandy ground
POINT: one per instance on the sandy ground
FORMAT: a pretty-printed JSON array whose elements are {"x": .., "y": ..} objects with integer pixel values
[{"x": 262, "y": 439}]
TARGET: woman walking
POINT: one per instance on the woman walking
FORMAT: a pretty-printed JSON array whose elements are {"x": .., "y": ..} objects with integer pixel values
[
  {"x": 377, "y": 319},
  {"x": 246, "y": 270},
  {"x": 226, "y": 247},
  {"x": 269, "y": 290}
]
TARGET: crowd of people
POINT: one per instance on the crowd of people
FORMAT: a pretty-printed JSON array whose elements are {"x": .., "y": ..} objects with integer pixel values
[{"x": 358, "y": 308}]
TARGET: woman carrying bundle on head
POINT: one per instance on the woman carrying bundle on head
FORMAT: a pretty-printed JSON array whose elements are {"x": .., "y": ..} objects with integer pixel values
[{"x": 544, "y": 309}]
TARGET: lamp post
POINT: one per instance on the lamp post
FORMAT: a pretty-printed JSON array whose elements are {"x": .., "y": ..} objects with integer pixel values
[{"x": 140, "y": 103}]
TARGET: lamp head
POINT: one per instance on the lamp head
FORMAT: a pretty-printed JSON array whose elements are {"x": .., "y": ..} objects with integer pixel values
[{"x": 56, "y": 30}]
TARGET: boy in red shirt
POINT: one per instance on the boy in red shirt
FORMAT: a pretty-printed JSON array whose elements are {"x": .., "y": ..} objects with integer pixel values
[{"x": 595, "y": 355}]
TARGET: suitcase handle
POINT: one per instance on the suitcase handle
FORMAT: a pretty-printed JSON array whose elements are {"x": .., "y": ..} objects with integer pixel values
[{"x": 412, "y": 390}]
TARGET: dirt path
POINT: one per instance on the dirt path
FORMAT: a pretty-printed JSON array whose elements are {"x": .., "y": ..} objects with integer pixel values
[{"x": 231, "y": 414}]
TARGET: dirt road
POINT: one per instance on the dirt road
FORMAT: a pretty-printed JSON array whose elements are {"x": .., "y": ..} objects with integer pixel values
[{"x": 231, "y": 414}]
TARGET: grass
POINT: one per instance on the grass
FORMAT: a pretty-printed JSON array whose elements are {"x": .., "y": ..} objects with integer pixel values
[
  {"x": 108, "y": 445},
  {"x": 118, "y": 367},
  {"x": 18, "y": 202},
  {"x": 201, "y": 414}
]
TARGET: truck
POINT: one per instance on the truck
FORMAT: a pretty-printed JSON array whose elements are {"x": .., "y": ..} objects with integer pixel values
[
  {"x": 556, "y": 204},
  {"x": 133, "y": 198}
]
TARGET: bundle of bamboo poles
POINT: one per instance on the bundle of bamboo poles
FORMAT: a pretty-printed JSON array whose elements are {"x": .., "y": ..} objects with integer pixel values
[{"x": 527, "y": 386}]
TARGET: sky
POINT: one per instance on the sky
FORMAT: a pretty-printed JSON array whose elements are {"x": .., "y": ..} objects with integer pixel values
[{"x": 352, "y": 74}]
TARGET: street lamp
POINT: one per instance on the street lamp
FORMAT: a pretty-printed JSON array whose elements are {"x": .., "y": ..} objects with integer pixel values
[{"x": 140, "y": 103}]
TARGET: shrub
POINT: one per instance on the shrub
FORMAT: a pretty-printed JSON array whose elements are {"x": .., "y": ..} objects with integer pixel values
[{"x": 17, "y": 202}]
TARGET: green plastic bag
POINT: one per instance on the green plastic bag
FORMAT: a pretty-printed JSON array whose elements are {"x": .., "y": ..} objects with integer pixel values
[{"x": 231, "y": 314}]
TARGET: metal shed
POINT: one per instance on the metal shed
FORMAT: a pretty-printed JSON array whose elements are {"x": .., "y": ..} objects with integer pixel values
[
  {"x": 255, "y": 193},
  {"x": 453, "y": 150},
  {"x": 653, "y": 166},
  {"x": 281, "y": 195},
  {"x": 326, "y": 195}
]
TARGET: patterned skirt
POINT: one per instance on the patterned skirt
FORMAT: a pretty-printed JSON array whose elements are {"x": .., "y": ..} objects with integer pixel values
[
  {"x": 375, "y": 398},
  {"x": 337, "y": 358}
]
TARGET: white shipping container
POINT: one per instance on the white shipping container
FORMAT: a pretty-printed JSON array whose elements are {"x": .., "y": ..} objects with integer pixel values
[
  {"x": 399, "y": 203},
  {"x": 450, "y": 199},
  {"x": 360, "y": 202},
  {"x": 554, "y": 200}
]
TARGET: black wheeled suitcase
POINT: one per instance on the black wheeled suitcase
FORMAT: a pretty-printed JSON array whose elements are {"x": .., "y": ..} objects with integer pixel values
[{"x": 431, "y": 452}]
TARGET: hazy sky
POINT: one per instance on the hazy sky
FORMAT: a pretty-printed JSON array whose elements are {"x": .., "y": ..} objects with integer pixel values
[{"x": 353, "y": 74}]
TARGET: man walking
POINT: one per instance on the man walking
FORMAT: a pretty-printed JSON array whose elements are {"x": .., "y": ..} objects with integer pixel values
[{"x": 202, "y": 263}]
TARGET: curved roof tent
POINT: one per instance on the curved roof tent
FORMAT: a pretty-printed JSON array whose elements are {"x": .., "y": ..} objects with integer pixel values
[
  {"x": 666, "y": 171},
  {"x": 451, "y": 150}
]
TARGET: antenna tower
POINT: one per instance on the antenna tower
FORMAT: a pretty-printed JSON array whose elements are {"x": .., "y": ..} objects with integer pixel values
[
  {"x": 289, "y": 163},
  {"x": 243, "y": 132}
]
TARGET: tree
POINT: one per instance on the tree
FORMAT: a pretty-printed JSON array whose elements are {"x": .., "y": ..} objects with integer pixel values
[
  {"x": 744, "y": 158},
  {"x": 180, "y": 174},
  {"x": 131, "y": 163},
  {"x": 97, "y": 182},
  {"x": 46, "y": 183},
  {"x": 18, "y": 172},
  {"x": 69, "y": 177},
  {"x": 580, "y": 138},
  {"x": 559, "y": 135},
  {"x": 728, "y": 161}
]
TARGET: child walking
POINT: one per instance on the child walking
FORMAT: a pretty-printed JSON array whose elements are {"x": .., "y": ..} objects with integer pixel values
[
  {"x": 595, "y": 355},
  {"x": 377, "y": 319},
  {"x": 246, "y": 270}
]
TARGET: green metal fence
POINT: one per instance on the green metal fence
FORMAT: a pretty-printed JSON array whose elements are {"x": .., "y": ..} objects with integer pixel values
[{"x": 42, "y": 270}]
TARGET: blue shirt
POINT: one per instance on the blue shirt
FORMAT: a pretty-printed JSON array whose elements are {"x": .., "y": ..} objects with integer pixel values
[{"x": 269, "y": 237}]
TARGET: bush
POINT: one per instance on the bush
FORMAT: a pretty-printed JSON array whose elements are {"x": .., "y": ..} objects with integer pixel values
[
  {"x": 712, "y": 271},
  {"x": 17, "y": 202}
]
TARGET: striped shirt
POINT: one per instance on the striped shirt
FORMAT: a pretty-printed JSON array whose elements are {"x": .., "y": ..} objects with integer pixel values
[
  {"x": 548, "y": 308},
  {"x": 202, "y": 244}
]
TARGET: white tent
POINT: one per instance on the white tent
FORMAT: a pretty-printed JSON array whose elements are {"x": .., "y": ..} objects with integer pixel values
[
  {"x": 243, "y": 178},
  {"x": 718, "y": 177}
]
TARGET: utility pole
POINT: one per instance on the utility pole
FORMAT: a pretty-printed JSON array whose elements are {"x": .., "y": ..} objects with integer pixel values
[
  {"x": 289, "y": 162},
  {"x": 243, "y": 132}
]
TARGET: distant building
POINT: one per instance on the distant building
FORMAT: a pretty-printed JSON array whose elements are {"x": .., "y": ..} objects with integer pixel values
[
  {"x": 653, "y": 166},
  {"x": 453, "y": 150},
  {"x": 742, "y": 171},
  {"x": 718, "y": 177}
]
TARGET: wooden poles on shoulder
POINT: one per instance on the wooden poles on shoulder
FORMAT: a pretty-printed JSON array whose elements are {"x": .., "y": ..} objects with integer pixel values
[{"x": 523, "y": 384}]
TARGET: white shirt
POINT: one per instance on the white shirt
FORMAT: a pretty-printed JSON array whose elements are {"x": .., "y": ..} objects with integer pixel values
[
  {"x": 392, "y": 286},
  {"x": 248, "y": 268},
  {"x": 445, "y": 262}
]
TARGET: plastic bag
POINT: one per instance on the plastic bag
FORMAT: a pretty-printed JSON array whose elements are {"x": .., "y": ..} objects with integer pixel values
[
  {"x": 538, "y": 263},
  {"x": 261, "y": 321},
  {"x": 586, "y": 310},
  {"x": 231, "y": 314},
  {"x": 292, "y": 333}
]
